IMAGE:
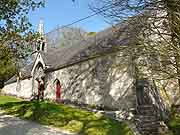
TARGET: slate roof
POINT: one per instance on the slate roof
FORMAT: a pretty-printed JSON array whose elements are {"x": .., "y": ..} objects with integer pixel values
[
  {"x": 122, "y": 34},
  {"x": 11, "y": 80},
  {"x": 25, "y": 73}
]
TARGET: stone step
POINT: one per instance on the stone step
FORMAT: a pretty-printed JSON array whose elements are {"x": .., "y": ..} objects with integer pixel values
[
  {"x": 151, "y": 129},
  {"x": 146, "y": 120},
  {"x": 146, "y": 117},
  {"x": 149, "y": 124},
  {"x": 148, "y": 127},
  {"x": 145, "y": 106},
  {"x": 144, "y": 124},
  {"x": 146, "y": 112},
  {"x": 148, "y": 109},
  {"x": 149, "y": 133}
]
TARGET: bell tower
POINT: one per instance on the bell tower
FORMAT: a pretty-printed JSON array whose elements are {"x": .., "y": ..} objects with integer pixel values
[{"x": 41, "y": 43}]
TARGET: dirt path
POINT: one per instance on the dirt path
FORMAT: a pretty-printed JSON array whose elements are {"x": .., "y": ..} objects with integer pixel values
[{"x": 10, "y": 125}]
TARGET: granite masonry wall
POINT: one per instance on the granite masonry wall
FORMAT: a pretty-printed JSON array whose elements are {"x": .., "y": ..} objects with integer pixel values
[
  {"x": 105, "y": 81},
  {"x": 22, "y": 88}
]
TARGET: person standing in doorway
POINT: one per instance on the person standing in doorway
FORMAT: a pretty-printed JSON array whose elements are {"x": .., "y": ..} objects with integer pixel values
[
  {"x": 42, "y": 89},
  {"x": 39, "y": 89}
]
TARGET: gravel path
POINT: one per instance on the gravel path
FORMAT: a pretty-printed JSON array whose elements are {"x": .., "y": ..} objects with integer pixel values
[{"x": 10, "y": 125}]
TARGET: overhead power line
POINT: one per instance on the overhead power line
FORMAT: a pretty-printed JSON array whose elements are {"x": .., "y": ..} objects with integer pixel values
[{"x": 107, "y": 7}]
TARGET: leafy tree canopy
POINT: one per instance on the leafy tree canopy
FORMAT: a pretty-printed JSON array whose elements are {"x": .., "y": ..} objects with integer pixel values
[{"x": 15, "y": 33}]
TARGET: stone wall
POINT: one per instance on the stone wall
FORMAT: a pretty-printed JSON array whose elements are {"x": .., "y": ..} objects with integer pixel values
[
  {"x": 22, "y": 88},
  {"x": 105, "y": 81},
  {"x": 10, "y": 89}
]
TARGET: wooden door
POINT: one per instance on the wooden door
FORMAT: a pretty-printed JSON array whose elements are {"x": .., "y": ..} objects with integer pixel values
[{"x": 58, "y": 91}]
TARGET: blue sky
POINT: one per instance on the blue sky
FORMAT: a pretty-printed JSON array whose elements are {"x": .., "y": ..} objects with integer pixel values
[{"x": 62, "y": 12}]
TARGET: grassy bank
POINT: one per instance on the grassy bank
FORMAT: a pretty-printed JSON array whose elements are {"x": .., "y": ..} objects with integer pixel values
[
  {"x": 7, "y": 99},
  {"x": 174, "y": 125},
  {"x": 174, "y": 122},
  {"x": 64, "y": 117}
]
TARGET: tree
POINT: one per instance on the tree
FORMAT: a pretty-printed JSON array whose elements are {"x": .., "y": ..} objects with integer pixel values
[
  {"x": 159, "y": 39},
  {"x": 72, "y": 35},
  {"x": 15, "y": 33},
  {"x": 66, "y": 36},
  {"x": 7, "y": 65}
]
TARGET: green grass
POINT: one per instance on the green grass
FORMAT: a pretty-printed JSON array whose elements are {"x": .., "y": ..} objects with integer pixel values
[
  {"x": 174, "y": 123},
  {"x": 6, "y": 99},
  {"x": 64, "y": 117}
]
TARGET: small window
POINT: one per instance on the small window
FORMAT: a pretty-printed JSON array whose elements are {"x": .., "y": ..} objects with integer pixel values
[
  {"x": 43, "y": 45},
  {"x": 38, "y": 47}
]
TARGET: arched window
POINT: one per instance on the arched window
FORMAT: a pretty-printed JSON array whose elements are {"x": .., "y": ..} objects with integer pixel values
[
  {"x": 38, "y": 47},
  {"x": 38, "y": 78}
]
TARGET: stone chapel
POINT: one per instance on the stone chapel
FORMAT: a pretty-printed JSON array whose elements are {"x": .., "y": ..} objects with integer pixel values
[{"x": 93, "y": 71}]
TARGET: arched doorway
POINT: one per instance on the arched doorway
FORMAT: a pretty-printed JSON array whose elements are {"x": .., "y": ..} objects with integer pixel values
[
  {"x": 39, "y": 81},
  {"x": 58, "y": 90}
]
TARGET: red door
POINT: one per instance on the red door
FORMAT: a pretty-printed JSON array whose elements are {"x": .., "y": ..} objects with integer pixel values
[{"x": 58, "y": 91}]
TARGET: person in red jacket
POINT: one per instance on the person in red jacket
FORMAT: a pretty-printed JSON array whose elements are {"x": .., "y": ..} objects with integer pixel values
[
  {"x": 58, "y": 91},
  {"x": 38, "y": 94}
]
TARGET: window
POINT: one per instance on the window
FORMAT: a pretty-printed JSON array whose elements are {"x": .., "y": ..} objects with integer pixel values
[
  {"x": 43, "y": 46},
  {"x": 38, "y": 47}
]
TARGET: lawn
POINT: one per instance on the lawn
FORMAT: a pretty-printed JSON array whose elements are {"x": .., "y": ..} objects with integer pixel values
[
  {"x": 6, "y": 99},
  {"x": 174, "y": 122},
  {"x": 174, "y": 125},
  {"x": 64, "y": 117}
]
